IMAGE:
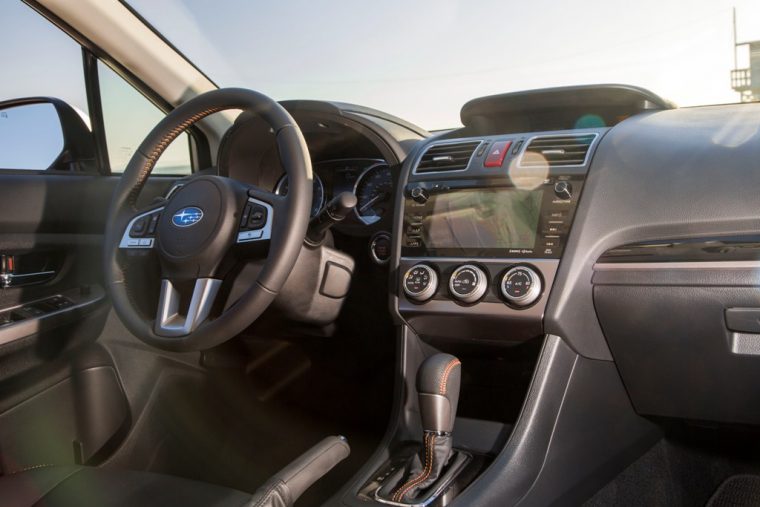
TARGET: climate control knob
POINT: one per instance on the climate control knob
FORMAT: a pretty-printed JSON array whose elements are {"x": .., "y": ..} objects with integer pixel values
[
  {"x": 420, "y": 282},
  {"x": 468, "y": 283},
  {"x": 521, "y": 286}
]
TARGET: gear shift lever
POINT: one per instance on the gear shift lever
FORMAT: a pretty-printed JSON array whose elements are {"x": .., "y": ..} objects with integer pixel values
[{"x": 438, "y": 381}]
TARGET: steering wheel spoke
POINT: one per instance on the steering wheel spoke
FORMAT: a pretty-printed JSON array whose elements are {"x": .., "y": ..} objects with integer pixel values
[
  {"x": 173, "y": 321},
  {"x": 140, "y": 232},
  {"x": 257, "y": 219}
]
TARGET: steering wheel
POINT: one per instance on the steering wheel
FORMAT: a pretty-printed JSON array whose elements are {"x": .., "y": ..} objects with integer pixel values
[{"x": 203, "y": 229}]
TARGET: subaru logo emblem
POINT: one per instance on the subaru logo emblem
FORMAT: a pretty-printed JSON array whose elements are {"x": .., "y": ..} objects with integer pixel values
[{"x": 187, "y": 216}]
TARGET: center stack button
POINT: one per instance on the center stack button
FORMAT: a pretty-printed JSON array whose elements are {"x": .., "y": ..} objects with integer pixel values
[{"x": 468, "y": 283}]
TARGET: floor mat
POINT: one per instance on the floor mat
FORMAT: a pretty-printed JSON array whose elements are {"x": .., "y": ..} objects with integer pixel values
[
  {"x": 685, "y": 469},
  {"x": 737, "y": 491}
]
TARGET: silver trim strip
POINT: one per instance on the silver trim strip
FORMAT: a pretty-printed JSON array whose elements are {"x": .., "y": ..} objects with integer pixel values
[
  {"x": 644, "y": 266},
  {"x": 484, "y": 260}
]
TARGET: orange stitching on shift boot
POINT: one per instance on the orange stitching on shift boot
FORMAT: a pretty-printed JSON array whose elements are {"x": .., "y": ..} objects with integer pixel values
[{"x": 403, "y": 490}]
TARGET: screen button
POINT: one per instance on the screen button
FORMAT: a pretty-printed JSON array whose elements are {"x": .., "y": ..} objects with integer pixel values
[
  {"x": 497, "y": 154},
  {"x": 414, "y": 230},
  {"x": 556, "y": 215}
]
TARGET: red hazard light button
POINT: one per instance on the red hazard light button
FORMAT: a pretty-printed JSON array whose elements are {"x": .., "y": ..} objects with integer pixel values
[{"x": 497, "y": 154}]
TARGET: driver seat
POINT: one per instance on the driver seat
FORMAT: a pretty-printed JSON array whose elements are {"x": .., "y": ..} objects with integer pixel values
[{"x": 82, "y": 486}]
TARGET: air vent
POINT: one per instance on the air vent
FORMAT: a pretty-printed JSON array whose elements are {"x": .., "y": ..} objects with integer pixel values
[
  {"x": 557, "y": 151},
  {"x": 447, "y": 157}
]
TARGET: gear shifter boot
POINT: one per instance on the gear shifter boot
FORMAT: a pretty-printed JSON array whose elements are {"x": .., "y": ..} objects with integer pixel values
[{"x": 438, "y": 381}]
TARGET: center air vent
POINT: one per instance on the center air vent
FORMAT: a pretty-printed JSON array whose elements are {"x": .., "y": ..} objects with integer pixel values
[
  {"x": 557, "y": 151},
  {"x": 447, "y": 157}
]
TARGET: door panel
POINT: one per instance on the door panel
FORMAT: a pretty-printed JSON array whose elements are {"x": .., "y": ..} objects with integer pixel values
[{"x": 61, "y": 399}]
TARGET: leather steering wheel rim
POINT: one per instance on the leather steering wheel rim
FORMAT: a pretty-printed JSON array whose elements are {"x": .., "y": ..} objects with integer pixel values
[{"x": 288, "y": 232}]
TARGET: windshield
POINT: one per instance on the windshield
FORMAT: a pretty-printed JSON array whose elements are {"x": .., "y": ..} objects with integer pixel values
[{"x": 422, "y": 60}]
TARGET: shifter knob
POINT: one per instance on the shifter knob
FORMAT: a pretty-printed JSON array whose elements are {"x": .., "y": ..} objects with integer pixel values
[{"x": 438, "y": 381}]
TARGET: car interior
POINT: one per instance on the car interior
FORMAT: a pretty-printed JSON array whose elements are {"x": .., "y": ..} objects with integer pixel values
[{"x": 213, "y": 296}]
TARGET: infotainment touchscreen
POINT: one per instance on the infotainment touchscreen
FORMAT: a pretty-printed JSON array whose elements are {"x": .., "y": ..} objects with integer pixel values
[{"x": 483, "y": 221}]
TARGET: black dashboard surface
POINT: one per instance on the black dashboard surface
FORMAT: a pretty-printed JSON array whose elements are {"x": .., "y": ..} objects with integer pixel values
[
  {"x": 690, "y": 172},
  {"x": 562, "y": 108}
]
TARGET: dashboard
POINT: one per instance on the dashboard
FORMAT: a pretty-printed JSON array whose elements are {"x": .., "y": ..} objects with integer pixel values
[{"x": 532, "y": 219}]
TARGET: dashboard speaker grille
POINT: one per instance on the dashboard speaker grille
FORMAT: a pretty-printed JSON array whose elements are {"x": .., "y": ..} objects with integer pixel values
[
  {"x": 557, "y": 151},
  {"x": 447, "y": 157}
]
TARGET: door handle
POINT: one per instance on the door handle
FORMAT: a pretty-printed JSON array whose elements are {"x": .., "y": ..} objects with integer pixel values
[{"x": 9, "y": 278}]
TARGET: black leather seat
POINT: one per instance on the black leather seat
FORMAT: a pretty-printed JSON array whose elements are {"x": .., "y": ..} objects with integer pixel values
[{"x": 76, "y": 486}]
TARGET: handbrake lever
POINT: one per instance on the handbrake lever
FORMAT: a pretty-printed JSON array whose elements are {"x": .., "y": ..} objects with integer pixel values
[{"x": 287, "y": 485}]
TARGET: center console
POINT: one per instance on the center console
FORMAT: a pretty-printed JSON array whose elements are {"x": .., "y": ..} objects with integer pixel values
[{"x": 482, "y": 226}]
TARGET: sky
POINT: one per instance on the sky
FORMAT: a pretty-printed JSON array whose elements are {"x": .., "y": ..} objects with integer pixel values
[
  {"x": 418, "y": 59},
  {"x": 423, "y": 59}
]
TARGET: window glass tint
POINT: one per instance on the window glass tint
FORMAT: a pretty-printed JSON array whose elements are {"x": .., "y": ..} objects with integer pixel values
[{"x": 129, "y": 116}]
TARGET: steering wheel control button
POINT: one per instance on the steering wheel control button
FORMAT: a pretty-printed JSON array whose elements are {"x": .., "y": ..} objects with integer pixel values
[
  {"x": 153, "y": 223},
  {"x": 468, "y": 283},
  {"x": 420, "y": 195},
  {"x": 250, "y": 235},
  {"x": 497, "y": 154},
  {"x": 380, "y": 248},
  {"x": 139, "y": 227},
  {"x": 521, "y": 286},
  {"x": 140, "y": 233},
  {"x": 563, "y": 190},
  {"x": 258, "y": 217},
  {"x": 246, "y": 215},
  {"x": 256, "y": 222},
  {"x": 420, "y": 282}
]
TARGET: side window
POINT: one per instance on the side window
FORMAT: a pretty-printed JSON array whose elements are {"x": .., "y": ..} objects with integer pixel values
[
  {"x": 37, "y": 60},
  {"x": 128, "y": 117}
]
